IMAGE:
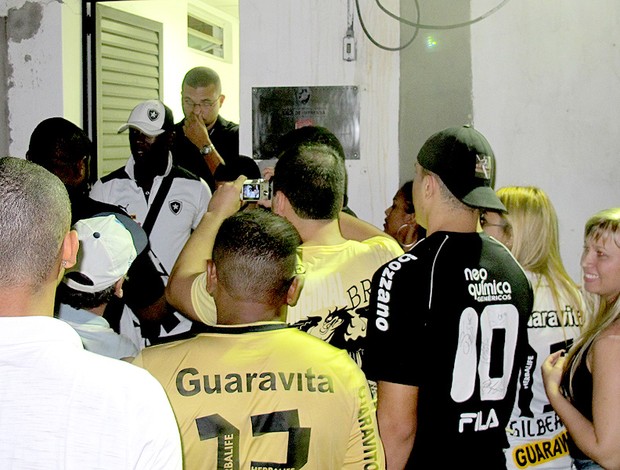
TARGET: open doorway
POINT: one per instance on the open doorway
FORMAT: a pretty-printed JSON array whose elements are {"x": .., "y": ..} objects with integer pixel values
[{"x": 141, "y": 49}]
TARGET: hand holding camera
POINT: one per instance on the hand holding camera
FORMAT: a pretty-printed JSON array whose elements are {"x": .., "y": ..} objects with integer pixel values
[
  {"x": 256, "y": 190},
  {"x": 226, "y": 200}
]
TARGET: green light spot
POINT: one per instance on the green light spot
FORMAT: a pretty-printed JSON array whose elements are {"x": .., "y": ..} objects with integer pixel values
[{"x": 431, "y": 43}]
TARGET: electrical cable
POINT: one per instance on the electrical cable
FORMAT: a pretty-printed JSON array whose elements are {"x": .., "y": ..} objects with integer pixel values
[
  {"x": 417, "y": 23},
  {"x": 375, "y": 42},
  {"x": 437, "y": 27}
]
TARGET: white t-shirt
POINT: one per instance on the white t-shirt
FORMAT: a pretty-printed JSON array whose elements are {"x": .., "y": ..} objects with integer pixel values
[
  {"x": 96, "y": 334},
  {"x": 536, "y": 435},
  {"x": 62, "y": 407}
]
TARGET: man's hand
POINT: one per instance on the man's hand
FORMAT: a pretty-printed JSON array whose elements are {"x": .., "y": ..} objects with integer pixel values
[
  {"x": 226, "y": 200},
  {"x": 196, "y": 131}
]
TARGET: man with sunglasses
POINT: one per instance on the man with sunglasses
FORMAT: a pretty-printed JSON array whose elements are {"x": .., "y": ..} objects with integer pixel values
[{"x": 204, "y": 140}]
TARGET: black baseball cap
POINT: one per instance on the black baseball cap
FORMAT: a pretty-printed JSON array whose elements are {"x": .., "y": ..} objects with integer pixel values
[{"x": 463, "y": 159}]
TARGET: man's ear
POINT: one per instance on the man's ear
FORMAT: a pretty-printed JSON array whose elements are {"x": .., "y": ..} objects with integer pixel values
[
  {"x": 279, "y": 203},
  {"x": 68, "y": 253},
  {"x": 294, "y": 290},
  {"x": 211, "y": 277},
  {"x": 69, "y": 249},
  {"x": 118, "y": 288}
]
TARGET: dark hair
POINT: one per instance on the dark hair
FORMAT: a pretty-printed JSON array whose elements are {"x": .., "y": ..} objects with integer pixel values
[
  {"x": 58, "y": 145},
  {"x": 310, "y": 135},
  {"x": 168, "y": 124},
  {"x": 84, "y": 300},
  {"x": 236, "y": 167},
  {"x": 407, "y": 191},
  {"x": 255, "y": 255},
  {"x": 202, "y": 77},
  {"x": 312, "y": 177},
  {"x": 35, "y": 217},
  {"x": 314, "y": 135}
]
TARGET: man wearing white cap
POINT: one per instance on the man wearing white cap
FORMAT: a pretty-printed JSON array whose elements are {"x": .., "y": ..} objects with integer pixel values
[
  {"x": 109, "y": 243},
  {"x": 166, "y": 200}
]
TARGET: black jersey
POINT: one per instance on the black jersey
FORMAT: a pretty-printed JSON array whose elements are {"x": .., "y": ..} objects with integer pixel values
[{"x": 450, "y": 317}]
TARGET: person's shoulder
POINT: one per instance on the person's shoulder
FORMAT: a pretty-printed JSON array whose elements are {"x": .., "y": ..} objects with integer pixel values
[
  {"x": 384, "y": 242},
  {"x": 611, "y": 333},
  {"x": 182, "y": 173},
  {"x": 118, "y": 174},
  {"x": 114, "y": 374},
  {"x": 197, "y": 186},
  {"x": 318, "y": 350},
  {"x": 226, "y": 125},
  {"x": 501, "y": 257}
]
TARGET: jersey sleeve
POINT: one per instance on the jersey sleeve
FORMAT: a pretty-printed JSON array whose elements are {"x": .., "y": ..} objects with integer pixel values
[
  {"x": 203, "y": 303},
  {"x": 395, "y": 331},
  {"x": 98, "y": 192},
  {"x": 365, "y": 449}
]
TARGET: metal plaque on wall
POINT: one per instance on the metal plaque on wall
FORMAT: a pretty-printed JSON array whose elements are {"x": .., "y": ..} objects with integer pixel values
[{"x": 278, "y": 110}]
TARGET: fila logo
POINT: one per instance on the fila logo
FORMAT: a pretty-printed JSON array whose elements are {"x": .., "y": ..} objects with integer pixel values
[{"x": 175, "y": 207}]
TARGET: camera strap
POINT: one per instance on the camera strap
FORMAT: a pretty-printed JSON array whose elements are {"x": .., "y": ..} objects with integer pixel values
[{"x": 162, "y": 192}]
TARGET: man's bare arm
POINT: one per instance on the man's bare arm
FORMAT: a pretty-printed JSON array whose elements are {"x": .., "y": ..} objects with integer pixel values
[
  {"x": 353, "y": 228},
  {"x": 397, "y": 413},
  {"x": 192, "y": 260},
  {"x": 198, "y": 134}
]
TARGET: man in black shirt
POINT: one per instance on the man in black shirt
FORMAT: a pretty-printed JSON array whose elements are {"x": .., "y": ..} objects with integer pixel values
[
  {"x": 447, "y": 320},
  {"x": 65, "y": 150},
  {"x": 204, "y": 140}
]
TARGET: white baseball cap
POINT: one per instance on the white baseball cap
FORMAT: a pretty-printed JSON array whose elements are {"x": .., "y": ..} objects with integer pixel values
[
  {"x": 108, "y": 245},
  {"x": 151, "y": 117}
]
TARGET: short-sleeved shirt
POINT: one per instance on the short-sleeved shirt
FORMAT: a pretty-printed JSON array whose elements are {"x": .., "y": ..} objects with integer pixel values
[
  {"x": 266, "y": 395},
  {"x": 224, "y": 136},
  {"x": 180, "y": 213},
  {"x": 537, "y": 436},
  {"x": 336, "y": 291},
  {"x": 62, "y": 407},
  {"x": 450, "y": 317},
  {"x": 96, "y": 334}
]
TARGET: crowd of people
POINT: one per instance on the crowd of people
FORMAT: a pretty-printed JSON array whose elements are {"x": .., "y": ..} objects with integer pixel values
[{"x": 156, "y": 320}]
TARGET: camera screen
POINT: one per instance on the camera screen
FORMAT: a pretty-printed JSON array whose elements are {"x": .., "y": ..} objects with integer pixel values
[{"x": 251, "y": 191}]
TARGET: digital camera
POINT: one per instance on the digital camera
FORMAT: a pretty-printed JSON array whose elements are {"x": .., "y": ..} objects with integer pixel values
[{"x": 256, "y": 190}]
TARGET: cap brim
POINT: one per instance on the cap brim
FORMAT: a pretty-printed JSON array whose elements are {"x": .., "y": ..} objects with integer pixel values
[
  {"x": 484, "y": 197},
  {"x": 139, "y": 236},
  {"x": 145, "y": 130}
]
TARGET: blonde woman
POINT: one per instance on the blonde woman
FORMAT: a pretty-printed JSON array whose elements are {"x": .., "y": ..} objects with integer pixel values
[
  {"x": 529, "y": 229},
  {"x": 584, "y": 387}
]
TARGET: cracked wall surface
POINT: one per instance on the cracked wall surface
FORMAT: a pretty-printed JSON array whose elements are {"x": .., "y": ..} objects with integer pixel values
[{"x": 32, "y": 69}]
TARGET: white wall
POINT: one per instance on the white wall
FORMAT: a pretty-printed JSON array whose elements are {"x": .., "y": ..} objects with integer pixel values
[
  {"x": 546, "y": 89},
  {"x": 44, "y": 79},
  {"x": 298, "y": 43}
]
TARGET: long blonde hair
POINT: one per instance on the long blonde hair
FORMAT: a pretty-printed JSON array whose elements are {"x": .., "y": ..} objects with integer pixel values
[
  {"x": 533, "y": 225},
  {"x": 602, "y": 225}
]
